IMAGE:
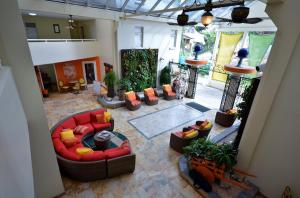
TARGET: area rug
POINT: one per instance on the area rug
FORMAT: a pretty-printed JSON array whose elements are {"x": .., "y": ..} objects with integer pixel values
[
  {"x": 153, "y": 124},
  {"x": 197, "y": 106}
]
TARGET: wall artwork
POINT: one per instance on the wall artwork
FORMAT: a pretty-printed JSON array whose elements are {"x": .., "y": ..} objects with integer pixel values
[
  {"x": 56, "y": 28},
  {"x": 139, "y": 68},
  {"x": 69, "y": 71}
]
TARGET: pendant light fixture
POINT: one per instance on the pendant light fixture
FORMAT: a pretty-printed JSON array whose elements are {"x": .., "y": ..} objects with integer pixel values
[{"x": 207, "y": 17}]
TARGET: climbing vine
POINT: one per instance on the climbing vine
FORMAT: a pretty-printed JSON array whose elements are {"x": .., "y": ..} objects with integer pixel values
[{"x": 139, "y": 68}]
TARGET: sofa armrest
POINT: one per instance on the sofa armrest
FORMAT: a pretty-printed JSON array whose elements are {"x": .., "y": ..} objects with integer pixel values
[{"x": 121, "y": 165}]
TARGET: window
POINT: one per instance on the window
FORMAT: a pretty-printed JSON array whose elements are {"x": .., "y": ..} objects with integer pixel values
[
  {"x": 173, "y": 38},
  {"x": 139, "y": 36},
  {"x": 31, "y": 31}
]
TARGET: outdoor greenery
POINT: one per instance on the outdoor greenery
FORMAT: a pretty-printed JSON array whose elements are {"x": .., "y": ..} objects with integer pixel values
[
  {"x": 245, "y": 100},
  {"x": 222, "y": 154},
  {"x": 165, "y": 76},
  {"x": 139, "y": 68},
  {"x": 209, "y": 38},
  {"x": 110, "y": 80}
]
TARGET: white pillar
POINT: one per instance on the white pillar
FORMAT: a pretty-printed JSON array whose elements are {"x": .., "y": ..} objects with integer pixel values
[{"x": 14, "y": 52}]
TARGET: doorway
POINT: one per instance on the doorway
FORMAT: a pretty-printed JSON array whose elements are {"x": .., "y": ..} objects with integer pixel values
[{"x": 89, "y": 71}]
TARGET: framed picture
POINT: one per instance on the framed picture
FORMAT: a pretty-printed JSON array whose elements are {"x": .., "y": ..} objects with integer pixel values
[{"x": 56, "y": 28}]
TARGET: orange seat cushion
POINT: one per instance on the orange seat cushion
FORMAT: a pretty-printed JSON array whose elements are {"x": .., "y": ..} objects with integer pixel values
[
  {"x": 153, "y": 98},
  {"x": 130, "y": 96},
  {"x": 135, "y": 102},
  {"x": 149, "y": 92},
  {"x": 171, "y": 94}
]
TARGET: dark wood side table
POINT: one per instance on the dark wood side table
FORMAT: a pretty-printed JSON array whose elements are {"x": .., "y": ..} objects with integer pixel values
[{"x": 102, "y": 139}]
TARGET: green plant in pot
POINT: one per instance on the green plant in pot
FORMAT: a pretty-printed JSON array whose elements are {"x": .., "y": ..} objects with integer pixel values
[
  {"x": 165, "y": 76},
  {"x": 110, "y": 79},
  {"x": 124, "y": 85},
  {"x": 222, "y": 155}
]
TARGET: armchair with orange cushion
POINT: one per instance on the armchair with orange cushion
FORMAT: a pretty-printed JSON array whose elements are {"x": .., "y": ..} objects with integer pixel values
[
  {"x": 150, "y": 96},
  {"x": 169, "y": 92},
  {"x": 132, "y": 101}
]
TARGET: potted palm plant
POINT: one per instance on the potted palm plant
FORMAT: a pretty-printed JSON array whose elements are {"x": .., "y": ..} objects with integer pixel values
[
  {"x": 110, "y": 79},
  {"x": 124, "y": 85}
]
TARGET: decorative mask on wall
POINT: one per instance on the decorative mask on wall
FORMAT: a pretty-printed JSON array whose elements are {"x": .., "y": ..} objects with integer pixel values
[{"x": 69, "y": 71}]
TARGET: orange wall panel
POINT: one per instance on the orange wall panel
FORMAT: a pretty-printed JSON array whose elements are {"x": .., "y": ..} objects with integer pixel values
[{"x": 59, "y": 67}]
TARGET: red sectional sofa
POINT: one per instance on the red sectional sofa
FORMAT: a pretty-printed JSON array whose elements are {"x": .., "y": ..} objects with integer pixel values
[{"x": 90, "y": 166}]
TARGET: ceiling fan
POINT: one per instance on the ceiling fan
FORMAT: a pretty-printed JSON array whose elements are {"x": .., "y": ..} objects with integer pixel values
[
  {"x": 183, "y": 20},
  {"x": 239, "y": 15},
  {"x": 71, "y": 23}
]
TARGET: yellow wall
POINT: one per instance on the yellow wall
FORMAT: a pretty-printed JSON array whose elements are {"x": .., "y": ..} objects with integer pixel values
[{"x": 44, "y": 27}]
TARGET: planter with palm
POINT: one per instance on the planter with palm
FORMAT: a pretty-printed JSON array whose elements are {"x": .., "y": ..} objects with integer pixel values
[
  {"x": 110, "y": 79},
  {"x": 124, "y": 85}
]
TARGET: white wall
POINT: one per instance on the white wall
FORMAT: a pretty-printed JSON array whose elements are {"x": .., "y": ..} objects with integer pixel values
[
  {"x": 156, "y": 36},
  {"x": 53, "y": 52},
  {"x": 276, "y": 160},
  {"x": 44, "y": 26},
  {"x": 271, "y": 137},
  {"x": 14, "y": 51},
  {"x": 16, "y": 179},
  {"x": 106, "y": 36}
]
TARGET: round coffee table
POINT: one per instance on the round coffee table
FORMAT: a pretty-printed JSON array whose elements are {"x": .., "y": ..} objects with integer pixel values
[
  {"x": 102, "y": 138},
  {"x": 116, "y": 139}
]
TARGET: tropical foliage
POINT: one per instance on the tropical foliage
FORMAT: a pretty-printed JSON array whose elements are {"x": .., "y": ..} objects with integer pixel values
[
  {"x": 222, "y": 154},
  {"x": 139, "y": 68},
  {"x": 245, "y": 100},
  {"x": 165, "y": 76}
]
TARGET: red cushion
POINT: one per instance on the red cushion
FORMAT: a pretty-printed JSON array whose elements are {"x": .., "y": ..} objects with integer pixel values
[
  {"x": 179, "y": 134},
  {"x": 71, "y": 142},
  {"x": 68, "y": 154},
  {"x": 94, "y": 113},
  {"x": 69, "y": 124},
  {"x": 135, "y": 102},
  {"x": 73, "y": 148},
  {"x": 83, "y": 118},
  {"x": 171, "y": 94},
  {"x": 153, "y": 98},
  {"x": 90, "y": 128},
  {"x": 58, "y": 145},
  {"x": 56, "y": 132},
  {"x": 116, "y": 152},
  {"x": 94, "y": 156},
  {"x": 98, "y": 126}
]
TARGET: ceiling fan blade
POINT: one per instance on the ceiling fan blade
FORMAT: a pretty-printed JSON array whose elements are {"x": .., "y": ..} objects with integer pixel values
[
  {"x": 170, "y": 23},
  {"x": 253, "y": 20},
  {"x": 219, "y": 19},
  {"x": 192, "y": 23}
]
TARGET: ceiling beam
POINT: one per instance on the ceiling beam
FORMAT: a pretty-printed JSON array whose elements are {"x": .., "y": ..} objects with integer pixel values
[
  {"x": 124, "y": 5},
  {"x": 154, "y": 6},
  {"x": 106, "y": 4},
  {"x": 224, "y": 3},
  {"x": 181, "y": 5},
  {"x": 169, "y": 5},
  {"x": 139, "y": 7}
]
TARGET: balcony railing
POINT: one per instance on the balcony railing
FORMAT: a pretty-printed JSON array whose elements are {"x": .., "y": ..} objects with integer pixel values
[
  {"x": 60, "y": 40},
  {"x": 48, "y": 51}
]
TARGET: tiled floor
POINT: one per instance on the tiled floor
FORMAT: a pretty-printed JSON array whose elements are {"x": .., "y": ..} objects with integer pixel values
[{"x": 156, "y": 173}]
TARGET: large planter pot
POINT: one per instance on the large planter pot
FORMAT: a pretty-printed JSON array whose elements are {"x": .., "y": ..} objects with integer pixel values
[
  {"x": 224, "y": 119},
  {"x": 122, "y": 94},
  {"x": 111, "y": 91}
]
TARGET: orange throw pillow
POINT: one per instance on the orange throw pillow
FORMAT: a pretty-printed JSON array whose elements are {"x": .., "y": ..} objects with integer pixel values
[
  {"x": 149, "y": 92},
  {"x": 100, "y": 118},
  {"x": 167, "y": 88},
  {"x": 130, "y": 95}
]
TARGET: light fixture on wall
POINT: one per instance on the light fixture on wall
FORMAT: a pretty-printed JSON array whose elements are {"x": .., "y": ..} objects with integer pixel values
[
  {"x": 207, "y": 17},
  {"x": 32, "y": 14}
]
